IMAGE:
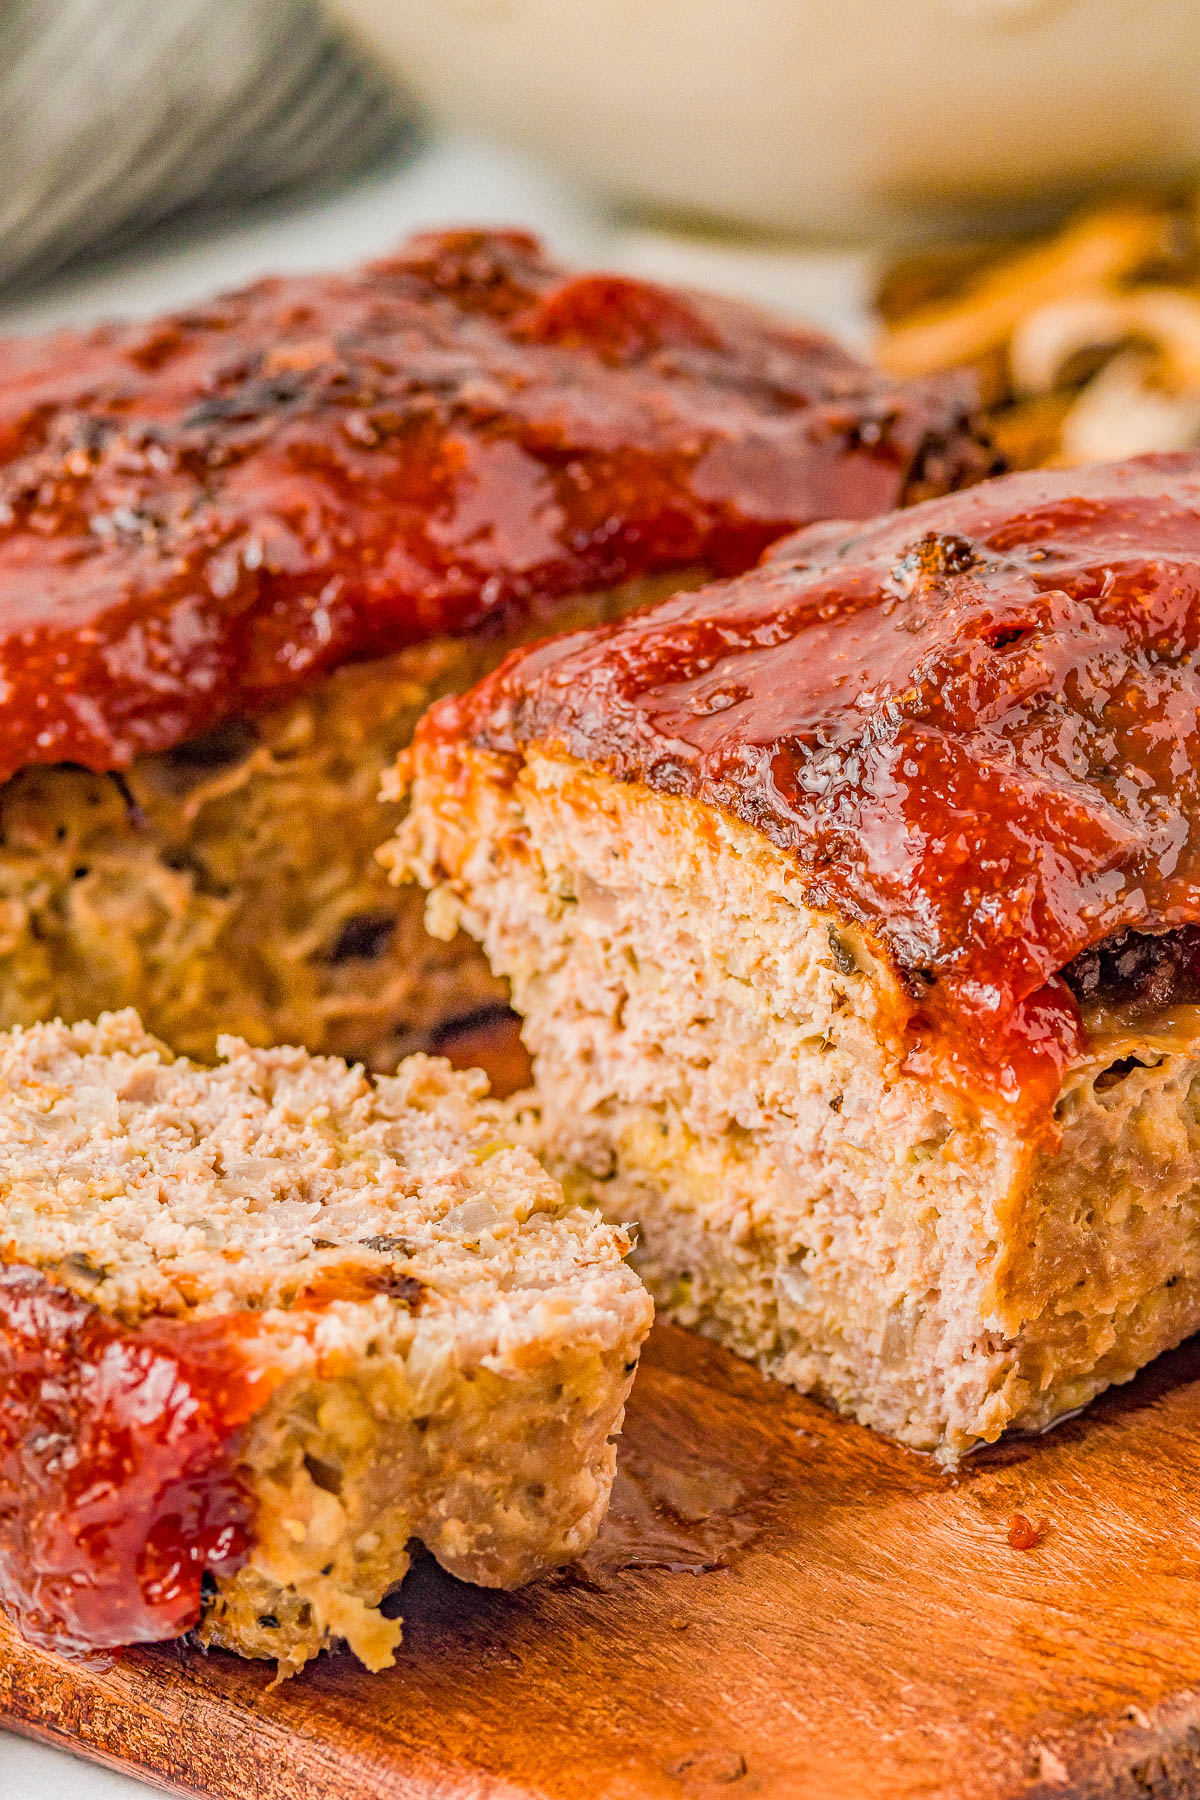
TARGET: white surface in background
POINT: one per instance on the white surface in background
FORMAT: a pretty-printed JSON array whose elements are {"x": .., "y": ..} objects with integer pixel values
[
  {"x": 829, "y": 288},
  {"x": 31, "y": 1772},
  {"x": 454, "y": 182}
]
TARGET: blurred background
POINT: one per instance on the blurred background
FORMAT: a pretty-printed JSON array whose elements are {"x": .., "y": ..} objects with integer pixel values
[{"x": 1004, "y": 183}]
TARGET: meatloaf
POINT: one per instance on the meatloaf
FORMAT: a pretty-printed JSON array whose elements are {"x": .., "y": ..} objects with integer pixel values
[
  {"x": 853, "y": 909},
  {"x": 242, "y": 547},
  {"x": 263, "y": 1325}
]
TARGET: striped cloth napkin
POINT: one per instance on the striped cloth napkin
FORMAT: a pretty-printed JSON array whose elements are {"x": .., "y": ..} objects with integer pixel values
[{"x": 116, "y": 114}]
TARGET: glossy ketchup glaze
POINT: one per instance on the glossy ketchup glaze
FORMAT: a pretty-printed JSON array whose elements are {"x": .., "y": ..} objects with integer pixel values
[
  {"x": 200, "y": 515},
  {"x": 118, "y": 1486},
  {"x": 975, "y": 726}
]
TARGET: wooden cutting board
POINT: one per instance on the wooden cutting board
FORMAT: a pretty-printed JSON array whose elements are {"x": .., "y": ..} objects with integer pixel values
[{"x": 782, "y": 1605}]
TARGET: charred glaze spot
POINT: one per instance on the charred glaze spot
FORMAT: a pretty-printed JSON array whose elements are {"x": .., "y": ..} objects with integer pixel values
[
  {"x": 934, "y": 555},
  {"x": 946, "y": 554},
  {"x": 251, "y": 401},
  {"x": 1139, "y": 970}
]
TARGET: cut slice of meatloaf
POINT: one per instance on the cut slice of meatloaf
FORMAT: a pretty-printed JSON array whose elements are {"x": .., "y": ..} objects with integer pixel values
[
  {"x": 852, "y": 910},
  {"x": 242, "y": 547},
  {"x": 263, "y": 1325}
]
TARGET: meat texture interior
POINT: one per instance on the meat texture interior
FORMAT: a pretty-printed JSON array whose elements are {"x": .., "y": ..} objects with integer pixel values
[
  {"x": 263, "y": 1326},
  {"x": 852, "y": 911}
]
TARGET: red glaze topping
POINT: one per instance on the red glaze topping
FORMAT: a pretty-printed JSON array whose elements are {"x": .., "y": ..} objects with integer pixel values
[
  {"x": 117, "y": 1486},
  {"x": 975, "y": 725},
  {"x": 201, "y": 515}
]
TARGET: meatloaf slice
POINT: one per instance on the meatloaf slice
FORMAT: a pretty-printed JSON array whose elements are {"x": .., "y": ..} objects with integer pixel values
[
  {"x": 263, "y": 1325},
  {"x": 242, "y": 546},
  {"x": 852, "y": 911}
]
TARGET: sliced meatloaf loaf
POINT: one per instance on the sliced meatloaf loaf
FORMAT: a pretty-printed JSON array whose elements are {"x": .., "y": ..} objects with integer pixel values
[
  {"x": 853, "y": 909},
  {"x": 262, "y": 1325},
  {"x": 243, "y": 546}
]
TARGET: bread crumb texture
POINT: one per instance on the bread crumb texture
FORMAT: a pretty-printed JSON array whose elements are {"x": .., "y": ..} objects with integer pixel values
[
  {"x": 451, "y": 1343},
  {"x": 231, "y": 883},
  {"x": 720, "y": 1062}
]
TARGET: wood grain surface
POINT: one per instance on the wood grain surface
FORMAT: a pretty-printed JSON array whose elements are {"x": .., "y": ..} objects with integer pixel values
[{"x": 782, "y": 1604}]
